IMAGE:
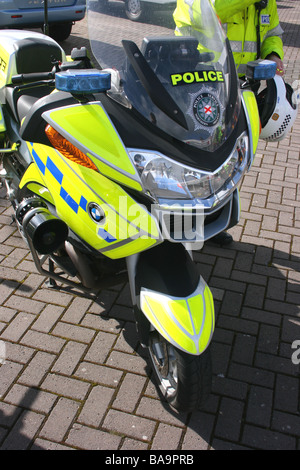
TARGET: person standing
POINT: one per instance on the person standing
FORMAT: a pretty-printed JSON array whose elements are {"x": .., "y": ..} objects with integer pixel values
[{"x": 253, "y": 30}]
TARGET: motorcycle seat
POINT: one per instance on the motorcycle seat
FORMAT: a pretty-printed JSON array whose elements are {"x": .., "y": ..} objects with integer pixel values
[
  {"x": 31, "y": 55},
  {"x": 36, "y": 55}
]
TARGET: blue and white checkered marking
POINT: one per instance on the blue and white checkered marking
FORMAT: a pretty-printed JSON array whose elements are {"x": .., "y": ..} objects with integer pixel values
[{"x": 58, "y": 175}]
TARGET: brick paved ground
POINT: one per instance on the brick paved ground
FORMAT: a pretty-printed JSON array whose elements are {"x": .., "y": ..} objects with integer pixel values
[{"x": 74, "y": 377}]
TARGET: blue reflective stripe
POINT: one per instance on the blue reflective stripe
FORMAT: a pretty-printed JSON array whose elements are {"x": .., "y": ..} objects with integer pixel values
[
  {"x": 106, "y": 236},
  {"x": 83, "y": 203},
  {"x": 54, "y": 170},
  {"x": 69, "y": 200},
  {"x": 41, "y": 165}
]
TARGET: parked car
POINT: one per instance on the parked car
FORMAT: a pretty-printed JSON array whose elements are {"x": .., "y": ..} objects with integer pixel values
[
  {"x": 138, "y": 9},
  {"x": 30, "y": 14}
]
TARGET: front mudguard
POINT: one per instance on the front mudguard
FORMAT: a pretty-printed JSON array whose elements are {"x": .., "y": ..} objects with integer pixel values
[{"x": 170, "y": 296}]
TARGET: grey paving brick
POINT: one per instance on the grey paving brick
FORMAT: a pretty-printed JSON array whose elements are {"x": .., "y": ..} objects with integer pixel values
[
  {"x": 69, "y": 358},
  {"x": 229, "y": 420},
  {"x": 53, "y": 297},
  {"x": 287, "y": 393},
  {"x": 73, "y": 332},
  {"x": 95, "y": 406},
  {"x": 129, "y": 392},
  {"x": 31, "y": 398},
  {"x": 16, "y": 329},
  {"x": 32, "y": 282},
  {"x": 255, "y": 296},
  {"x": 8, "y": 414},
  {"x": 244, "y": 349},
  {"x": 12, "y": 274},
  {"x": 287, "y": 423},
  {"x": 8, "y": 374},
  {"x": 25, "y": 305},
  {"x": 22, "y": 434},
  {"x": 199, "y": 432},
  {"x": 76, "y": 310},
  {"x": 7, "y": 288},
  {"x": 6, "y": 314},
  {"x": 99, "y": 374},
  {"x": 65, "y": 386},
  {"x": 129, "y": 362},
  {"x": 129, "y": 425},
  {"x": 18, "y": 353},
  {"x": 37, "y": 369},
  {"x": 101, "y": 347},
  {"x": 155, "y": 409},
  {"x": 229, "y": 387},
  {"x": 86, "y": 438},
  {"x": 59, "y": 420},
  {"x": 42, "y": 341},
  {"x": 167, "y": 437},
  {"x": 47, "y": 318},
  {"x": 252, "y": 375},
  {"x": 268, "y": 339},
  {"x": 5, "y": 232},
  {"x": 133, "y": 444},
  {"x": 259, "y": 438},
  {"x": 43, "y": 444},
  {"x": 259, "y": 407}
]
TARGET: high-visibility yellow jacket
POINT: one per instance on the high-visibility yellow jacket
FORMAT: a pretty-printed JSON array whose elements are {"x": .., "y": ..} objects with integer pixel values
[{"x": 240, "y": 18}]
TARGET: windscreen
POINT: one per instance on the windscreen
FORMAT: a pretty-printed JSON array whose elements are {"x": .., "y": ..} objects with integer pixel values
[{"x": 174, "y": 67}]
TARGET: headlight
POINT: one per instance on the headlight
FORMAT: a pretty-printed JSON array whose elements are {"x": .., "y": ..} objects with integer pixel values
[{"x": 165, "y": 178}]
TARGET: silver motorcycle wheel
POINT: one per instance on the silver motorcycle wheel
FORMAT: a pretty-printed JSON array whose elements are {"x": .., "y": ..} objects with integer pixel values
[{"x": 183, "y": 379}]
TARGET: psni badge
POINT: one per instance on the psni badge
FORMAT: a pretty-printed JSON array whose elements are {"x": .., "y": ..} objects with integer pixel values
[{"x": 206, "y": 109}]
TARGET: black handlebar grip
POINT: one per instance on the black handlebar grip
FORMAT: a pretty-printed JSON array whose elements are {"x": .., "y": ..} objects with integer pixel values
[{"x": 32, "y": 77}]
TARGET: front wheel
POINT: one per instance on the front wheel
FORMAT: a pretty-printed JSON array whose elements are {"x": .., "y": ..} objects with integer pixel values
[{"x": 184, "y": 379}]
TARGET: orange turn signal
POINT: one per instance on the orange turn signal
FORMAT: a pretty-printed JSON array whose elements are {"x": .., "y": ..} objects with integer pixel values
[{"x": 67, "y": 149}]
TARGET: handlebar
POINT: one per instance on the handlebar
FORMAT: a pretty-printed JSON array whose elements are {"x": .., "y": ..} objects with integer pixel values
[
  {"x": 80, "y": 59},
  {"x": 32, "y": 77}
]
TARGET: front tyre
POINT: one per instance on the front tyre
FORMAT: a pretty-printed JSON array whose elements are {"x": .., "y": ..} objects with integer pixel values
[{"x": 184, "y": 379}]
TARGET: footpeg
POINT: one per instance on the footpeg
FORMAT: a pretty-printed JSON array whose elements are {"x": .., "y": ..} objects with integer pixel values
[{"x": 12, "y": 149}]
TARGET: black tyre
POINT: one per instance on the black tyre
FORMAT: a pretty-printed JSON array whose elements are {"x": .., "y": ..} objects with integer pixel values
[
  {"x": 60, "y": 32},
  {"x": 183, "y": 379},
  {"x": 134, "y": 10}
]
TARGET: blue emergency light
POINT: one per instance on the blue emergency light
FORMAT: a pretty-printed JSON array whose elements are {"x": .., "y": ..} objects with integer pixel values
[
  {"x": 83, "y": 81},
  {"x": 261, "y": 69}
]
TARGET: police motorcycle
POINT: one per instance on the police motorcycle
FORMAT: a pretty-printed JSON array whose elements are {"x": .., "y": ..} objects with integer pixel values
[{"x": 118, "y": 169}]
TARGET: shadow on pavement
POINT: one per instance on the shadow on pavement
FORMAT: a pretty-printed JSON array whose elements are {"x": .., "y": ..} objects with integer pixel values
[{"x": 15, "y": 423}]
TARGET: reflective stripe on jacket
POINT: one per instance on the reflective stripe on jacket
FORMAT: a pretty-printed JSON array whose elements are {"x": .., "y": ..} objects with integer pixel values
[{"x": 239, "y": 18}]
